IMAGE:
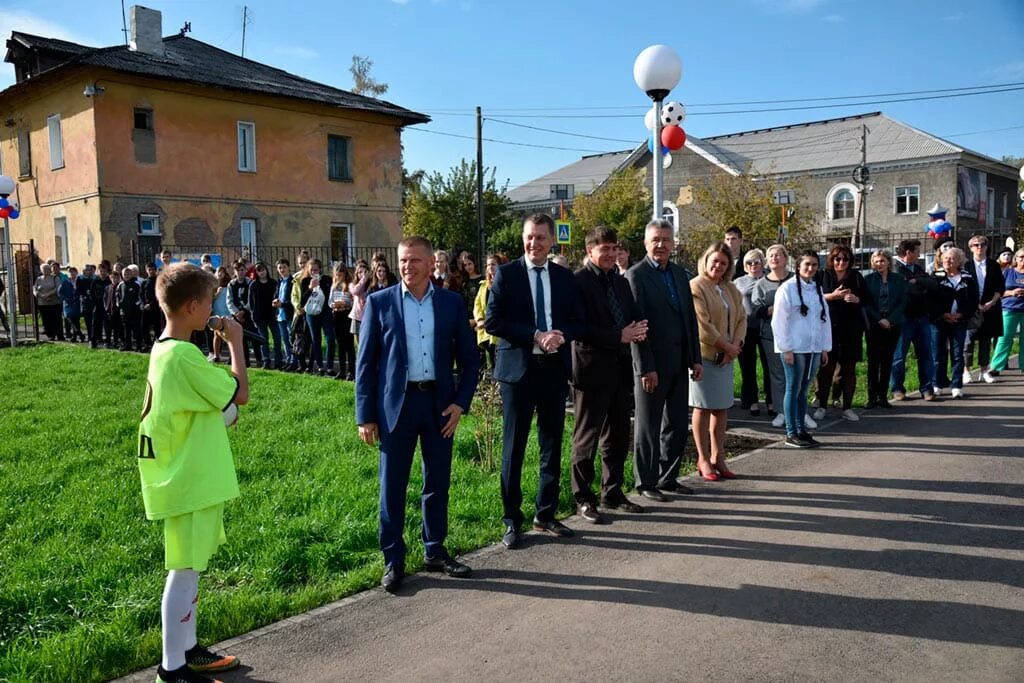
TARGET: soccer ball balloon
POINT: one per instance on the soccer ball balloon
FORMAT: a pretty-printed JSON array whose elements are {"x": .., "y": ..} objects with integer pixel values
[{"x": 673, "y": 114}]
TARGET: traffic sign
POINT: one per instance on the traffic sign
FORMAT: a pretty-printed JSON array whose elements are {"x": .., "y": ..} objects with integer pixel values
[{"x": 563, "y": 231}]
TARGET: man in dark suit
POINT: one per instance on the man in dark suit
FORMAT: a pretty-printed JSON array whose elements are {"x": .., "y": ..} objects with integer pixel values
[
  {"x": 991, "y": 287},
  {"x": 405, "y": 392},
  {"x": 602, "y": 375},
  {"x": 662, "y": 363},
  {"x": 534, "y": 310}
]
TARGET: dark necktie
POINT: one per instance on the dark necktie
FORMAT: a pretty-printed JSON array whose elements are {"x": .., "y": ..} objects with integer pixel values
[
  {"x": 613, "y": 303},
  {"x": 538, "y": 304}
]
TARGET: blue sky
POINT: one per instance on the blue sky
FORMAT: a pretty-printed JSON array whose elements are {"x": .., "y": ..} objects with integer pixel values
[{"x": 560, "y": 58}]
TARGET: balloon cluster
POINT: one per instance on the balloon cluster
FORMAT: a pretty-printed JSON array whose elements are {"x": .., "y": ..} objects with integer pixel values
[
  {"x": 937, "y": 225},
  {"x": 673, "y": 137},
  {"x": 8, "y": 210}
]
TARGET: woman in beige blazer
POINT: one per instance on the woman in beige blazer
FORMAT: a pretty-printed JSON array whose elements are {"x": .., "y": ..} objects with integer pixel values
[{"x": 722, "y": 324}]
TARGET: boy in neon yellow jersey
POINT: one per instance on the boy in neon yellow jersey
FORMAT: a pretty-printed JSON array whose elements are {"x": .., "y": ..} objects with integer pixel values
[{"x": 185, "y": 459}]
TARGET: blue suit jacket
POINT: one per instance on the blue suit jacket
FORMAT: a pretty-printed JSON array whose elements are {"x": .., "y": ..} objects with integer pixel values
[
  {"x": 511, "y": 318},
  {"x": 381, "y": 372}
]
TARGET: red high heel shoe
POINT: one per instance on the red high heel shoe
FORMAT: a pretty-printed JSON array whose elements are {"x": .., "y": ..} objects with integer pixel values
[
  {"x": 710, "y": 476},
  {"x": 723, "y": 471}
]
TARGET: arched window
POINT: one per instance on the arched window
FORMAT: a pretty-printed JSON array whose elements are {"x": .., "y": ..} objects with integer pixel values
[
  {"x": 842, "y": 205},
  {"x": 670, "y": 213}
]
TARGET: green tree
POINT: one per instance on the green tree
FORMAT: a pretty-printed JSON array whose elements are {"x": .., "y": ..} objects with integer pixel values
[
  {"x": 362, "y": 82},
  {"x": 721, "y": 200},
  {"x": 442, "y": 208},
  {"x": 507, "y": 239},
  {"x": 622, "y": 203}
]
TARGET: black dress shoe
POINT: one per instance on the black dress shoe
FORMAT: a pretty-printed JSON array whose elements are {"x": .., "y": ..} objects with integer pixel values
[
  {"x": 623, "y": 504},
  {"x": 588, "y": 511},
  {"x": 448, "y": 565},
  {"x": 675, "y": 487},
  {"x": 513, "y": 538},
  {"x": 392, "y": 579},
  {"x": 553, "y": 527},
  {"x": 653, "y": 494}
]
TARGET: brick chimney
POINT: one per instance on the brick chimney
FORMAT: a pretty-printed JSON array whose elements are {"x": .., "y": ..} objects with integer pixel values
[{"x": 146, "y": 31}]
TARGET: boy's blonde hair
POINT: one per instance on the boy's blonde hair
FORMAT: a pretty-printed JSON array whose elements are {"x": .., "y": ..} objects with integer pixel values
[{"x": 181, "y": 282}]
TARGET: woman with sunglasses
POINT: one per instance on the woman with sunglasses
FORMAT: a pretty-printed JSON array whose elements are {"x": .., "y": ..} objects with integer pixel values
[
  {"x": 843, "y": 288},
  {"x": 803, "y": 335}
]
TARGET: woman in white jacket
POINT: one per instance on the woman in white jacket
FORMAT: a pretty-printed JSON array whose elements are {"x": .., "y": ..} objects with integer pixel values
[{"x": 803, "y": 336}]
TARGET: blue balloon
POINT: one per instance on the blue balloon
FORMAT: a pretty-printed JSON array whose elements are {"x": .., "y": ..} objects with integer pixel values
[
  {"x": 14, "y": 214},
  {"x": 1022, "y": 206},
  {"x": 650, "y": 146},
  {"x": 4, "y": 203}
]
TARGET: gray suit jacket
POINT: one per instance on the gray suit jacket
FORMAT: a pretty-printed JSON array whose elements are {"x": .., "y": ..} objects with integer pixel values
[{"x": 672, "y": 342}]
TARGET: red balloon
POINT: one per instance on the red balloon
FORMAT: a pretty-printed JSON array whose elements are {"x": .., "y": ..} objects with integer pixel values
[
  {"x": 5, "y": 212},
  {"x": 673, "y": 137}
]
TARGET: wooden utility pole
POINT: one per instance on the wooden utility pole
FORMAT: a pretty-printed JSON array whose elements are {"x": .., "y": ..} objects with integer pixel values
[
  {"x": 858, "y": 229},
  {"x": 481, "y": 245}
]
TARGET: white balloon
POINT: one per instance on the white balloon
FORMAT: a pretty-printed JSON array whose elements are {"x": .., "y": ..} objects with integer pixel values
[
  {"x": 1022, "y": 172},
  {"x": 666, "y": 160},
  {"x": 673, "y": 113},
  {"x": 649, "y": 119}
]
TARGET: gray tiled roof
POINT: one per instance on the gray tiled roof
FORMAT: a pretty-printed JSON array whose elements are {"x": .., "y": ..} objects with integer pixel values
[
  {"x": 835, "y": 143},
  {"x": 585, "y": 174},
  {"x": 194, "y": 61},
  {"x": 50, "y": 44}
]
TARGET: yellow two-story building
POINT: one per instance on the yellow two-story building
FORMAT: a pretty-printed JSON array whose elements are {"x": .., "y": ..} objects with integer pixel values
[{"x": 171, "y": 142}]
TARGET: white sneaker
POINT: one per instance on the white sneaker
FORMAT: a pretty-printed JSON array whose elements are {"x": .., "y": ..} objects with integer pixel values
[
  {"x": 987, "y": 376},
  {"x": 779, "y": 421},
  {"x": 211, "y": 357},
  {"x": 848, "y": 414},
  {"x": 809, "y": 422},
  {"x": 819, "y": 414},
  {"x": 938, "y": 391},
  {"x": 958, "y": 393},
  {"x": 967, "y": 377}
]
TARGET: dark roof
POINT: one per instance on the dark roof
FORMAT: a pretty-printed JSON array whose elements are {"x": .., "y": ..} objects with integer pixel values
[
  {"x": 193, "y": 61},
  {"x": 51, "y": 44}
]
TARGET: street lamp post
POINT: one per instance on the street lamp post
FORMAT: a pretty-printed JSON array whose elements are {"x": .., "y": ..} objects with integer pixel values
[
  {"x": 656, "y": 71},
  {"x": 6, "y": 188}
]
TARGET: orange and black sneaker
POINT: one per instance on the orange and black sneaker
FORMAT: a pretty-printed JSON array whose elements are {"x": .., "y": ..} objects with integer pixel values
[
  {"x": 203, "y": 660},
  {"x": 181, "y": 675}
]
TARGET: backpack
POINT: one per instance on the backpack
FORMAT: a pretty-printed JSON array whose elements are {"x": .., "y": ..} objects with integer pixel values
[{"x": 300, "y": 337}]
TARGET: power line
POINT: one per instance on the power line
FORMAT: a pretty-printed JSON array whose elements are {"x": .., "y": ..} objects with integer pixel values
[
  {"x": 560, "y": 132},
  {"x": 440, "y": 110},
  {"x": 508, "y": 142}
]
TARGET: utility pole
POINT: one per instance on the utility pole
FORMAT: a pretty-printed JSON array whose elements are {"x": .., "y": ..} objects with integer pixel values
[
  {"x": 862, "y": 181},
  {"x": 481, "y": 246},
  {"x": 245, "y": 23}
]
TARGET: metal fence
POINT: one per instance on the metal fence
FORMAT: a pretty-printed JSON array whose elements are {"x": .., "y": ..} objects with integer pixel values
[
  {"x": 17, "y": 277},
  {"x": 220, "y": 254}
]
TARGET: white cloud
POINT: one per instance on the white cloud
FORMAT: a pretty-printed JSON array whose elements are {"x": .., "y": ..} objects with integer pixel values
[
  {"x": 790, "y": 6},
  {"x": 1011, "y": 71},
  {"x": 295, "y": 51},
  {"x": 833, "y": 18},
  {"x": 26, "y": 22}
]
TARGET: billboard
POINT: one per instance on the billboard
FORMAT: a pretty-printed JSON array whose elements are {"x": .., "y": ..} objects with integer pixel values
[{"x": 971, "y": 187}]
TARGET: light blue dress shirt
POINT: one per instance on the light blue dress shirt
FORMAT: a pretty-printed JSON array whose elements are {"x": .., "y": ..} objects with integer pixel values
[
  {"x": 282, "y": 295},
  {"x": 419, "y": 335}
]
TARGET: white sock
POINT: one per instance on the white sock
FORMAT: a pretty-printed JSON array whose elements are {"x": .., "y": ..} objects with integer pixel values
[
  {"x": 176, "y": 616},
  {"x": 190, "y": 635}
]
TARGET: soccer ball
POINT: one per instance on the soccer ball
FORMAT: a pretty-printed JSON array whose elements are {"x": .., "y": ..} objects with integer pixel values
[
  {"x": 230, "y": 415},
  {"x": 673, "y": 114}
]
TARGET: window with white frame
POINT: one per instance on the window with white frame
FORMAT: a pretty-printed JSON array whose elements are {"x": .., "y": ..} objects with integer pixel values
[
  {"x": 149, "y": 224},
  {"x": 841, "y": 203},
  {"x": 670, "y": 213},
  {"x": 247, "y": 146},
  {"x": 343, "y": 240},
  {"x": 56, "y": 142},
  {"x": 907, "y": 199}
]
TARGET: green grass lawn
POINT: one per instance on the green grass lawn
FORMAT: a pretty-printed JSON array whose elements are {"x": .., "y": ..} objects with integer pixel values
[{"x": 81, "y": 570}]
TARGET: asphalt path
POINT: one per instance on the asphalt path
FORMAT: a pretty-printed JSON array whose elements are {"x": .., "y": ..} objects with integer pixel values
[{"x": 895, "y": 552}]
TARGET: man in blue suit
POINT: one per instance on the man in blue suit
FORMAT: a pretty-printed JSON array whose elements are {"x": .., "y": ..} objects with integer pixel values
[
  {"x": 534, "y": 309},
  {"x": 405, "y": 391}
]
